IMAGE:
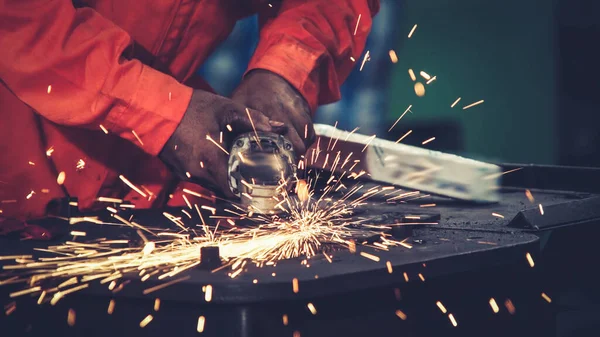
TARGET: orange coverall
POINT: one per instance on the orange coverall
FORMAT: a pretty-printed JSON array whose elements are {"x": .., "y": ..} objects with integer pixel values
[{"x": 128, "y": 66}]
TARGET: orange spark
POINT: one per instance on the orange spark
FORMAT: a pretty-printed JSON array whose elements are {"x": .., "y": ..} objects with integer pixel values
[
  {"x": 399, "y": 118},
  {"x": 494, "y": 305},
  {"x": 412, "y": 31},
  {"x": 455, "y": 102},
  {"x": 472, "y": 105},
  {"x": 411, "y": 73},
  {"x": 357, "y": 22},
  {"x": 393, "y": 56},
  {"x": 530, "y": 260},
  {"x": 132, "y": 186},
  {"x": 428, "y": 141}
]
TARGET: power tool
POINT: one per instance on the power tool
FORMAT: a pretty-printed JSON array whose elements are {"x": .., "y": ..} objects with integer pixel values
[{"x": 261, "y": 169}]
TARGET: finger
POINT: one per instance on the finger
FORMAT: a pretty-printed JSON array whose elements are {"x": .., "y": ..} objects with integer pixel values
[
  {"x": 297, "y": 142},
  {"x": 247, "y": 120},
  {"x": 220, "y": 173}
]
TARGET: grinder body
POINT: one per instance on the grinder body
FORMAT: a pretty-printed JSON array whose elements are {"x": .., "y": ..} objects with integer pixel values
[{"x": 261, "y": 168}]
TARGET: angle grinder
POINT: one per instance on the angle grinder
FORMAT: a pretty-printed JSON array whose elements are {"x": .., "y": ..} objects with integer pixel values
[{"x": 261, "y": 169}]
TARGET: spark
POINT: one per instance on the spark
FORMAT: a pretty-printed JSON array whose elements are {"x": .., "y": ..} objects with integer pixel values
[
  {"x": 472, "y": 104},
  {"x": 529, "y": 260},
  {"x": 541, "y": 209},
  {"x": 107, "y": 199},
  {"x": 496, "y": 175},
  {"x": 397, "y": 294},
  {"x": 405, "y": 276},
  {"x": 103, "y": 129},
  {"x": 529, "y": 196},
  {"x": 30, "y": 195},
  {"x": 393, "y": 56},
  {"x": 61, "y": 178},
  {"x": 41, "y": 298},
  {"x": 453, "y": 320},
  {"x": 399, "y": 118},
  {"x": 498, "y": 215},
  {"x": 49, "y": 151},
  {"x": 200, "y": 325},
  {"x": 546, "y": 297},
  {"x": 425, "y": 75},
  {"x": 352, "y": 59},
  {"x": 132, "y": 186},
  {"x": 455, "y": 102},
  {"x": 208, "y": 293},
  {"x": 370, "y": 256},
  {"x": 157, "y": 304},
  {"x": 111, "y": 307},
  {"x": 285, "y": 320},
  {"x": 370, "y": 139},
  {"x": 401, "y": 315},
  {"x": 164, "y": 285},
  {"x": 388, "y": 264},
  {"x": 427, "y": 205},
  {"x": 295, "y": 285},
  {"x": 80, "y": 165},
  {"x": 404, "y": 136},
  {"x": 494, "y": 305},
  {"x": 71, "y": 317},
  {"x": 137, "y": 137},
  {"x": 412, "y": 31},
  {"x": 357, "y": 22},
  {"x": 170, "y": 96},
  {"x": 10, "y": 308},
  {"x": 411, "y": 73},
  {"x": 441, "y": 306},
  {"x": 422, "y": 277},
  {"x": 25, "y": 292},
  {"x": 31, "y": 163},
  {"x": 428, "y": 141},
  {"x": 419, "y": 89},
  {"x": 431, "y": 80},
  {"x": 365, "y": 59},
  {"x": 312, "y": 308},
  {"x": 78, "y": 233},
  {"x": 146, "y": 321},
  {"x": 49, "y": 89},
  {"x": 509, "y": 306},
  {"x": 218, "y": 145},
  {"x": 255, "y": 281}
]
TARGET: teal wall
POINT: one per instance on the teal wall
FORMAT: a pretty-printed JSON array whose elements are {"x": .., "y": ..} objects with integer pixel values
[{"x": 499, "y": 51}]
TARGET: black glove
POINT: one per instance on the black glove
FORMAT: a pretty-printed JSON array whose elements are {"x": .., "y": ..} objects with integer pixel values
[
  {"x": 209, "y": 114},
  {"x": 272, "y": 95}
]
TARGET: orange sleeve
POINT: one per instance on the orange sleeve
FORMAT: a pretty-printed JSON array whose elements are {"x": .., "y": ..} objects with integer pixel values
[
  {"x": 67, "y": 64},
  {"x": 312, "y": 44}
]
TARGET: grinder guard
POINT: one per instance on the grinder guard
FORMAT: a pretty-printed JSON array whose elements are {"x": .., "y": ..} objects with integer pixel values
[{"x": 262, "y": 168}]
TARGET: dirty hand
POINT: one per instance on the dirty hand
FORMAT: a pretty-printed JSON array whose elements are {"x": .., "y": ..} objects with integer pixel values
[
  {"x": 206, "y": 116},
  {"x": 272, "y": 95}
]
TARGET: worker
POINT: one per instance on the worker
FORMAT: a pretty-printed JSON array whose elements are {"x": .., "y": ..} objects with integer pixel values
[{"x": 99, "y": 100}]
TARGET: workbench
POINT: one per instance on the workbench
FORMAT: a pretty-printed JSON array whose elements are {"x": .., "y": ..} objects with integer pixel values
[{"x": 467, "y": 258}]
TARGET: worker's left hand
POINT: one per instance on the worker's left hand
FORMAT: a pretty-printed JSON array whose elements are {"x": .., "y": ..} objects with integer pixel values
[{"x": 272, "y": 95}]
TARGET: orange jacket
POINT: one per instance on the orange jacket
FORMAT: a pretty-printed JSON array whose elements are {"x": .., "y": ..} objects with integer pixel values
[{"x": 67, "y": 72}]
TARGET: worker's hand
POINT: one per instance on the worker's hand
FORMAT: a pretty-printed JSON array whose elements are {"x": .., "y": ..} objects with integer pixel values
[
  {"x": 192, "y": 156},
  {"x": 272, "y": 95}
]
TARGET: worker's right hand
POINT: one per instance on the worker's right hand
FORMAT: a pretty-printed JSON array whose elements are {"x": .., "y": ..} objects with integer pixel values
[{"x": 193, "y": 157}]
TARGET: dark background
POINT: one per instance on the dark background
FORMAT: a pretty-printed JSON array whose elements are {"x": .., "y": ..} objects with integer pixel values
[{"x": 534, "y": 62}]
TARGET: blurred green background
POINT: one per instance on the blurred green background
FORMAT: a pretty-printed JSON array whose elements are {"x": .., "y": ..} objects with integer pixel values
[{"x": 498, "y": 51}]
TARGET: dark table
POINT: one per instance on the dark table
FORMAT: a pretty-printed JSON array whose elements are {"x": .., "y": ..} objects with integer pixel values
[{"x": 467, "y": 258}]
